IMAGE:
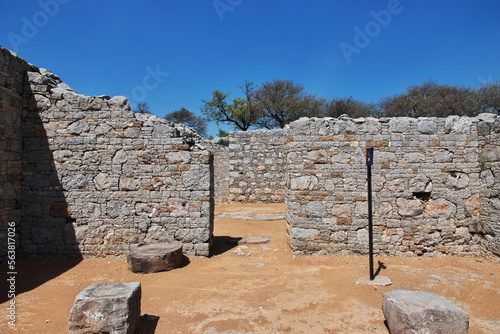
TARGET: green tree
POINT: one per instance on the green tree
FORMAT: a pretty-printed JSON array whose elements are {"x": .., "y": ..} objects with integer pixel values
[
  {"x": 143, "y": 107},
  {"x": 489, "y": 97},
  {"x": 241, "y": 113},
  {"x": 284, "y": 101},
  {"x": 430, "y": 99},
  {"x": 351, "y": 107},
  {"x": 186, "y": 117},
  {"x": 222, "y": 133}
]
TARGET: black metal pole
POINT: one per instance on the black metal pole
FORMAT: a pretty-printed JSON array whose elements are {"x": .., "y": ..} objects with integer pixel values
[{"x": 369, "y": 162}]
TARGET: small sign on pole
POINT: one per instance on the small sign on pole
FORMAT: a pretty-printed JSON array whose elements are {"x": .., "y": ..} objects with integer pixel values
[{"x": 369, "y": 163}]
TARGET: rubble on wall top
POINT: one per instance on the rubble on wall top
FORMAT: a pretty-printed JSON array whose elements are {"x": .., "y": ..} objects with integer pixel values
[{"x": 425, "y": 125}]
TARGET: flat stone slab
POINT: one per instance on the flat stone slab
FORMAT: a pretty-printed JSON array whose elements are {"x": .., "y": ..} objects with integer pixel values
[
  {"x": 155, "y": 257},
  {"x": 253, "y": 240},
  {"x": 106, "y": 308},
  {"x": 423, "y": 312},
  {"x": 379, "y": 280}
]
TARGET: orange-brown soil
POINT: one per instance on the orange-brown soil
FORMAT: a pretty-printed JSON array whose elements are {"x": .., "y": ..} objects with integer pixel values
[{"x": 256, "y": 288}]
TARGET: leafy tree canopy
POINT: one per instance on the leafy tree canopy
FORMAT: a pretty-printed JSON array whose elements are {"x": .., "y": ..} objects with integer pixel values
[
  {"x": 186, "y": 117},
  {"x": 279, "y": 102}
]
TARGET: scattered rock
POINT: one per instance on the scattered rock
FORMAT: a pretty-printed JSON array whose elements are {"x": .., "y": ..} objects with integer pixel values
[
  {"x": 423, "y": 312},
  {"x": 439, "y": 278},
  {"x": 258, "y": 264},
  {"x": 106, "y": 308}
]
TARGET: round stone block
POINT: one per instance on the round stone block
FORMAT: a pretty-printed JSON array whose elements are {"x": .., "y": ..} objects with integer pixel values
[{"x": 155, "y": 257}]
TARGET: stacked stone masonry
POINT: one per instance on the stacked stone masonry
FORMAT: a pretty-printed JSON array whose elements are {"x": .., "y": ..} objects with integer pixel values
[
  {"x": 11, "y": 114},
  {"x": 435, "y": 185},
  {"x": 250, "y": 169},
  {"x": 85, "y": 176},
  {"x": 97, "y": 178}
]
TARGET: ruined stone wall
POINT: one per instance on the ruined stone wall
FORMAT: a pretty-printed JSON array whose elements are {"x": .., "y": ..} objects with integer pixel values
[
  {"x": 250, "y": 170},
  {"x": 489, "y": 158},
  {"x": 426, "y": 185},
  {"x": 12, "y": 71},
  {"x": 96, "y": 177}
]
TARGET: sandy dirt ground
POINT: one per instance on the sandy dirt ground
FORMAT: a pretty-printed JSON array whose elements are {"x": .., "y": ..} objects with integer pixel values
[{"x": 255, "y": 288}]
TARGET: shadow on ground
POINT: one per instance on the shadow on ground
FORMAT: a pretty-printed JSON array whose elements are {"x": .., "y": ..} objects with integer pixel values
[
  {"x": 223, "y": 244},
  {"x": 31, "y": 273},
  {"x": 147, "y": 324}
]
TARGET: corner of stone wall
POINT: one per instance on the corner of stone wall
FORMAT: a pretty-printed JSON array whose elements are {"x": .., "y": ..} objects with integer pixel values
[
  {"x": 12, "y": 69},
  {"x": 85, "y": 176},
  {"x": 489, "y": 158}
]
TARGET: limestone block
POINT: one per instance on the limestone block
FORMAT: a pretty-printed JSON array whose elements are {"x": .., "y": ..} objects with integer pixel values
[
  {"x": 72, "y": 182},
  {"x": 119, "y": 103},
  {"x": 132, "y": 132},
  {"x": 420, "y": 184},
  {"x": 487, "y": 178},
  {"x": 102, "y": 181},
  {"x": 483, "y": 128},
  {"x": 128, "y": 183},
  {"x": 316, "y": 209},
  {"x": 155, "y": 257},
  {"x": 443, "y": 156},
  {"x": 441, "y": 208},
  {"x": 427, "y": 125},
  {"x": 106, "y": 308},
  {"x": 409, "y": 208},
  {"x": 473, "y": 205},
  {"x": 458, "y": 180},
  {"x": 414, "y": 157},
  {"x": 305, "y": 234},
  {"x": 423, "y": 312},
  {"x": 78, "y": 127},
  {"x": 457, "y": 124},
  {"x": 304, "y": 183},
  {"x": 400, "y": 124},
  {"x": 120, "y": 157}
]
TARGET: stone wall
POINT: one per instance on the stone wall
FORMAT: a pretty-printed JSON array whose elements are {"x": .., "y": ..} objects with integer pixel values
[
  {"x": 85, "y": 176},
  {"x": 427, "y": 185},
  {"x": 97, "y": 178},
  {"x": 11, "y": 113},
  {"x": 250, "y": 170},
  {"x": 489, "y": 158}
]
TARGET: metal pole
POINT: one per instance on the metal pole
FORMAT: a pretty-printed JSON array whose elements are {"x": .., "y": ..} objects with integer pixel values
[{"x": 369, "y": 163}]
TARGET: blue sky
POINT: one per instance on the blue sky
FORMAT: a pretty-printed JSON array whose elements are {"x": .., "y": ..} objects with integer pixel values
[{"x": 173, "y": 54}]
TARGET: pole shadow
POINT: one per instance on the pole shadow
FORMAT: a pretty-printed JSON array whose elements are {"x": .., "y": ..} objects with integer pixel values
[{"x": 380, "y": 267}]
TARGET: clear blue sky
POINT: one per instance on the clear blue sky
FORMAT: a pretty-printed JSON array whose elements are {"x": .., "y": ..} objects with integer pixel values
[{"x": 110, "y": 47}]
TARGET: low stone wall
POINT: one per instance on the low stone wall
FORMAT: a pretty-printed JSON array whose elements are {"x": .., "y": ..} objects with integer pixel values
[
  {"x": 427, "y": 185},
  {"x": 250, "y": 170}
]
